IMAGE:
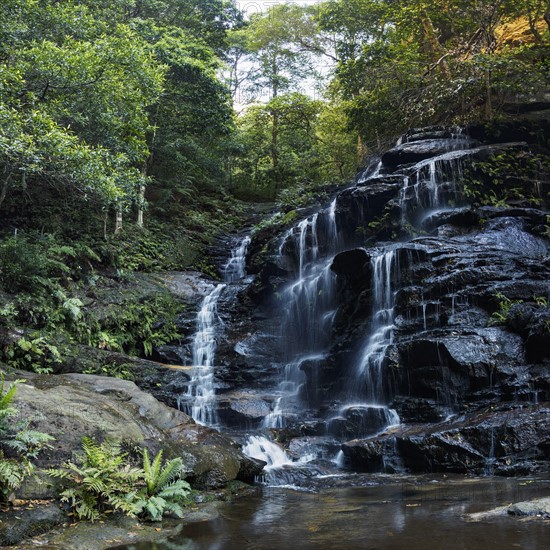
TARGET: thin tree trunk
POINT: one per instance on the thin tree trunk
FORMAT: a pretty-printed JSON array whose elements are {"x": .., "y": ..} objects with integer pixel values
[
  {"x": 275, "y": 151},
  {"x": 118, "y": 221},
  {"x": 275, "y": 130},
  {"x": 140, "y": 206},
  {"x": 105, "y": 222}
]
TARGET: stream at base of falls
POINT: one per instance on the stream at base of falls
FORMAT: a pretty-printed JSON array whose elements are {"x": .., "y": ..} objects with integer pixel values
[{"x": 371, "y": 512}]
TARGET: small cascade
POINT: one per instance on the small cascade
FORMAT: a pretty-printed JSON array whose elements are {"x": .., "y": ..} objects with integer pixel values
[
  {"x": 367, "y": 383},
  {"x": 199, "y": 399},
  {"x": 201, "y": 391},
  {"x": 235, "y": 268},
  {"x": 280, "y": 469},
  {"x": 371, "y": 171},
  {"x": 261, "y": 448},
  {"x": 433, "y": 184},
  {"x": 307, "y": 308},
  {"x": 382, "y": 324}
]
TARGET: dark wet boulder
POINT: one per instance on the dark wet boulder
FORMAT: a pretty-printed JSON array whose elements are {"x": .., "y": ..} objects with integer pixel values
[
  {"x": 353, "y": 267},
  {"x": 532, "y": 321},
  {"x": 359, "y": 420},
  {"x": 485, "y": 442},
  {"x": 242, "y": 410},
  {"x": 367, "y": 456},
  {"x": 416, "y": 151},
  {"x": 418, "y": 409},
  {"x": 458, "y": 218}
]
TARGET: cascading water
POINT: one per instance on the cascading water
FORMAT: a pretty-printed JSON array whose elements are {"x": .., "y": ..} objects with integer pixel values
[
  {"x": 201, "y": 389},
  {"x": 235, "y": 269},
  {"x": 370, "y": 365},
  {"x": 365, "y": 406},
  {"x": 432, "y": 184},
  {"x": 308, "y": 307},
  {"x": 200, "y": 397}
]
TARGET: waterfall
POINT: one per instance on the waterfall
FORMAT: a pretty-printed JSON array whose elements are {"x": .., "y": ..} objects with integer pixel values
[
  {"x": 381, "y": 331},
  {"x": 365, "y": 412},
  {"x": 201, "y": 390},
  {"x": 307, "y": 308},
  {"x": 261, "y": 448},
  {"x": 235, "y": 268},
  {"x": 200, "y": 397},
  {"x": 432, "y": 184}
]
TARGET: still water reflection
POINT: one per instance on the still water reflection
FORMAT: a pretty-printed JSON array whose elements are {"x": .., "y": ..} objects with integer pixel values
[{"x": 420, "y": 513}]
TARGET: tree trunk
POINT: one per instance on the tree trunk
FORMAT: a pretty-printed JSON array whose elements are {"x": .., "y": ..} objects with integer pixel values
[
  {"x": 547, "y": 16},
  {"x": 140, "y": 206},
  {"x": 118, "y": 221},
  {"x": 277, "y": 179},
  {"x": 275, "y": 151},
  {"x": 105, "y": 222}
]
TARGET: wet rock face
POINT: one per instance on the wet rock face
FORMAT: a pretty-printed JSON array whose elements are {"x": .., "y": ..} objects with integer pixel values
[
  {"x": 471, "y": 329},
  {"x": 69, "y": 407},
  {"x": 509, "y": 441},
  {"x": 465, "y": 345},
  {"x": 422, "y": 148}
]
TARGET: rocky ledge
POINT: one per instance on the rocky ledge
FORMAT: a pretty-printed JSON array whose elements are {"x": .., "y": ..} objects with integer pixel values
[{"x": 72, "y": 406}]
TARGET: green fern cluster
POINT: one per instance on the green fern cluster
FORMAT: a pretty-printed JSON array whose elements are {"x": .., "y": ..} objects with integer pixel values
[
  {"x": 165, "y": 491},
  {"x": 16, "y": 441},
  {"x": 104, "y": 482}
]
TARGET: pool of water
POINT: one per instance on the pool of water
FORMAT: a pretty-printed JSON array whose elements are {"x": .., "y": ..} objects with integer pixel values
[{"x": 425, "y": 513}]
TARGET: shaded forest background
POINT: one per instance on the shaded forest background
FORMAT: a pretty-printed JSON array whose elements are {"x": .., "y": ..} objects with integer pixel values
[{"x": 134, "y": 132}]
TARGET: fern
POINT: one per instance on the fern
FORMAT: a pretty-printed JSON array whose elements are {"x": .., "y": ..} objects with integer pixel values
[
  {"x": 100, "y": 482},
  {"x": 163, "y": 491},
  {"x": 22, "y": 442}
]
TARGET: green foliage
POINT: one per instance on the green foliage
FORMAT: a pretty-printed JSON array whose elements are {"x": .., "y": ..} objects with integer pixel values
[
  {"x": 138, "y": 327},
  {"x": 8, "y": 314},
  {"x": 403, "y": 64},
  {"x": 99, "y": 100},
  {"x": 103, "y": 482},
  {"x": 34, "y": 353},
  {"x": 99, "y": 482},
  {"x": 18, "y": 444},
  {"x": 500, "y": 316},
  {"x": 32, "y": 262},
  {"x": 164, "y": 491},
  {"x": 505, "y": 178}
]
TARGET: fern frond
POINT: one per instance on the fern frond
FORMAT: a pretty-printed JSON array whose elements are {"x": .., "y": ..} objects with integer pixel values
[
  {"x": 171, "y": 470},
  {"x": 174, "y": 508},
  {"x": 178, "y": 490},
  {"x": 155, "y": 508}
]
